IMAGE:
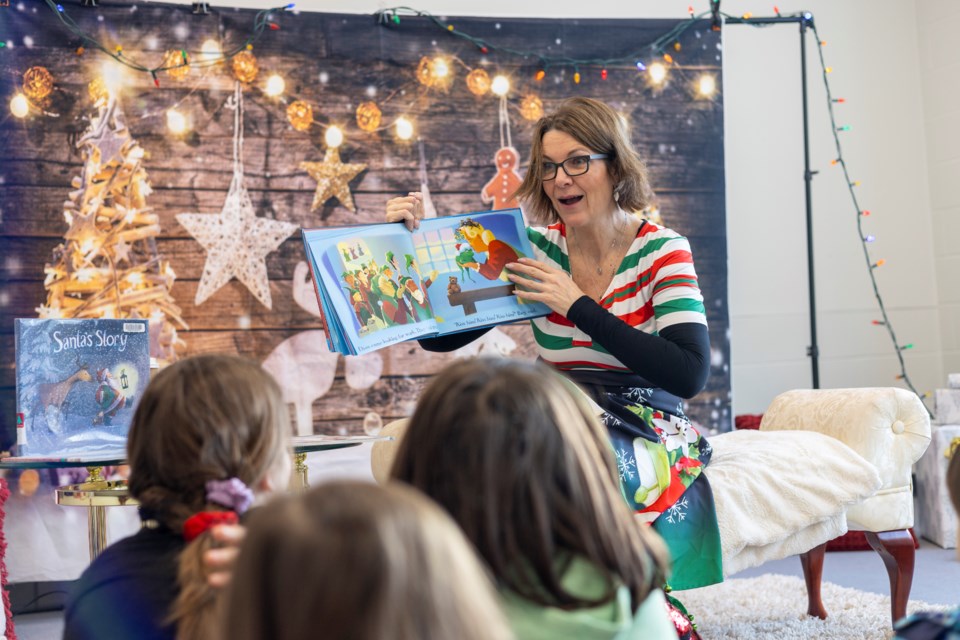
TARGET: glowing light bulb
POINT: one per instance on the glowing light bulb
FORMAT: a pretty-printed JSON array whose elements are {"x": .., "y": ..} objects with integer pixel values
[
  {"x": 500, "y": 86},
  {"x": 658, "y": 73},
  {"x": 275, "y": 86},
  {"x": 404, "y": 128},
  {"x": 19, "y": 106},
  {"x": 210, "y": 49},
  {"x": 707, "y": 85},
  {"x": 334, "y": 137},
  {"x": 176, "y": 122},
  {"x": 440, "y": 68}
]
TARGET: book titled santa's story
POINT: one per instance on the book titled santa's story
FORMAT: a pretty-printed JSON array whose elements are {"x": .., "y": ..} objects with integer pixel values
[{"x": 78, "y": 383}]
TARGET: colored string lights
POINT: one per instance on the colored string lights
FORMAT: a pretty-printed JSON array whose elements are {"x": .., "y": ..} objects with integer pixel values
[{"x": 866, "y": 239}]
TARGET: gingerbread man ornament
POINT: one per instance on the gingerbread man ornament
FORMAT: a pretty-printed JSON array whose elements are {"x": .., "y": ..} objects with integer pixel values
[{"x": 502, "y": 186}]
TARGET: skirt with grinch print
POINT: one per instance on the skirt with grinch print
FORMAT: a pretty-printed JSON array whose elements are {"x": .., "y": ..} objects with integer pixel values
[{"x": 660, "y": 459}]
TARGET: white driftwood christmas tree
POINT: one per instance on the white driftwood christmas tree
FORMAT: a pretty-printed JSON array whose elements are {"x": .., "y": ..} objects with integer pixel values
[{"x": 108, "y": 265}]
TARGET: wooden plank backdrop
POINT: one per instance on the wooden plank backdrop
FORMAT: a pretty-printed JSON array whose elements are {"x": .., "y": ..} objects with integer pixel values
[{"x": 335, "y": 62}]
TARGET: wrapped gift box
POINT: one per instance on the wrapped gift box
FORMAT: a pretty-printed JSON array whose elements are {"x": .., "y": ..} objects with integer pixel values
[
  {"x": 947, "y": 406},
  {"x": 935, "y": 517}
]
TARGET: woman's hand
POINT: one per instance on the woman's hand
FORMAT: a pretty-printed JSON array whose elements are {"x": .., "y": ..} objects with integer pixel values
[
  {"x": 408, "y": 209},
  {"x": 540, "y": 283},
  {"x": 218, "y": 562}
]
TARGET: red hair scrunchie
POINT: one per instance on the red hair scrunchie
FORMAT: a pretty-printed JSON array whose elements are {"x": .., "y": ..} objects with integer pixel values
[{"x": 200, "y": 522}]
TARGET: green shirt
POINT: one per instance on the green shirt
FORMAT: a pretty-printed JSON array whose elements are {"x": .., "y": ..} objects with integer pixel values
[{"x": 612, "y": 621}]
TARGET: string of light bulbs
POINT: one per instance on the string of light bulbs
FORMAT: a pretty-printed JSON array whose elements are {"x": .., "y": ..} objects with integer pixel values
[
  {"x": 638, "y": 59},
  {"x": 261, "y": 22},
  {"x": 865, "y": 239}
]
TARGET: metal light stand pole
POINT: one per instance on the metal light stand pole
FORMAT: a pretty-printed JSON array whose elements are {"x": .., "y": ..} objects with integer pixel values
[{"x": 805, "y": 20}]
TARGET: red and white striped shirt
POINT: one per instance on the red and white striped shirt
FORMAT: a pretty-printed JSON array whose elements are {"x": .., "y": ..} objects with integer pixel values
[{"x": 654, "y": 287}]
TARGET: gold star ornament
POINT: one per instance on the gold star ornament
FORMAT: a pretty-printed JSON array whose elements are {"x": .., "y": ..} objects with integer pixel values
[{"x": 333, "y": 179}]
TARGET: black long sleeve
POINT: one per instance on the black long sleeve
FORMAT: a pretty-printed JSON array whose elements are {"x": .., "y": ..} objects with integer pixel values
[
  {"x": 452, "y": 341},
  {"x": 677, "y": 360}
]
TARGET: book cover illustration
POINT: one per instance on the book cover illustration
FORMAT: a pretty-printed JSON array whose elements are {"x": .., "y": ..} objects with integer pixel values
[
  {"x": 78, "y": 383},
  {"x": 389, "y": 285}
]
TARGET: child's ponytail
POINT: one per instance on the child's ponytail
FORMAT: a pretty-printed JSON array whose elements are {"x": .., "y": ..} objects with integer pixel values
[{"x": 195, "y": 611}]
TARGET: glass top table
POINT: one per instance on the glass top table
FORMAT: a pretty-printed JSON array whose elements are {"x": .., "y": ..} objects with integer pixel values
[{"x": 97, "y": 493}]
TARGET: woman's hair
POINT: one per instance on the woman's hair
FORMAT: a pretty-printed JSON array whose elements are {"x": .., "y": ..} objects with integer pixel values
[
  {"x": 513, "y": 452},
  {"x": 203, "y": 418},
  {"x": 357, "y": 560},
  {"x": 602, "y": 130},
  {"x": 953, "y": 480}
]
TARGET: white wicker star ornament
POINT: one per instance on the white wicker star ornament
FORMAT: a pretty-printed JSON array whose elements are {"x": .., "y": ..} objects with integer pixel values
[{"x": 236, "y": 240}]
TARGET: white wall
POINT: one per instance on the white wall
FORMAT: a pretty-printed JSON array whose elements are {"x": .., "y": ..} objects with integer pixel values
[
  {"x": 874, "y": 49},
  {"x": 939, "y": 68}
]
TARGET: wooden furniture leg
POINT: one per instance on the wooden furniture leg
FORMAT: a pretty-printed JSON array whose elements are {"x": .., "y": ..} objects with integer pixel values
[
  {"x": 812, "y": 563},
  {"x": 897, "y": 550}
]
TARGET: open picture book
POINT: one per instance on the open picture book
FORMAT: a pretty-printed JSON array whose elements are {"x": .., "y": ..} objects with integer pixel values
[{"x": 381, "y": 284}]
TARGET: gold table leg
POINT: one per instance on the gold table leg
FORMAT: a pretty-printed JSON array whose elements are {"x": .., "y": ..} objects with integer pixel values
[
  {"x": 96, "y": 519},
  {"x": 301, "y": 470},
  {"x": 96, "y": 494}
]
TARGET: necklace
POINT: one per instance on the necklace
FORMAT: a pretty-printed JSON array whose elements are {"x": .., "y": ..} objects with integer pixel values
[{"x": 612, "y": 251}]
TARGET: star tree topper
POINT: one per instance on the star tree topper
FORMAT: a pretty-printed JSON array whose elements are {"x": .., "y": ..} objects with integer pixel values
[
  {"x": 333, "y": 179},
  {"x": 237, "y": 243}
]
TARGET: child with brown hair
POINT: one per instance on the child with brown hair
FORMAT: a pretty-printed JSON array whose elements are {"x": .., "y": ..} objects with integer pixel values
[
  {"x": 357, "y": 561},
  {"x": 514, "y": 452},
  {"x": 210, "y": 435}
]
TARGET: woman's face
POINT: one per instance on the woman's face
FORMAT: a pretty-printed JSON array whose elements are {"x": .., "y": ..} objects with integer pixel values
[{"x": 581, "y": 200}]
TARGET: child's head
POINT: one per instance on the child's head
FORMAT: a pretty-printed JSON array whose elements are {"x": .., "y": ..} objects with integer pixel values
[
  {"x": 356, "y": 560},
  {"x": 205, "y": 426},
  {"x": 514, "y": 453},
  {"x": 210, "y": 417}
]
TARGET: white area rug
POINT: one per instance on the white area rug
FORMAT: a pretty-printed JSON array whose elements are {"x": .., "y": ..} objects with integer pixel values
[{"x": 774, "y": 606}]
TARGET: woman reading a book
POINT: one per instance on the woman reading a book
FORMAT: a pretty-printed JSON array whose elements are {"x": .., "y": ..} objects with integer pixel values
[{"x": 627, "y": 323}]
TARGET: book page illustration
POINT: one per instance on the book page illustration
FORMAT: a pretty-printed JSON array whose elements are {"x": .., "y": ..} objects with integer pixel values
[
  {"x": 377, "y": 285},
  {"x": 470, "y": 254}
]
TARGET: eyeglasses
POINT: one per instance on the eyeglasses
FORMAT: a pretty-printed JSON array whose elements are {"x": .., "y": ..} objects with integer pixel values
[{"x": 575, "y": 166}]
